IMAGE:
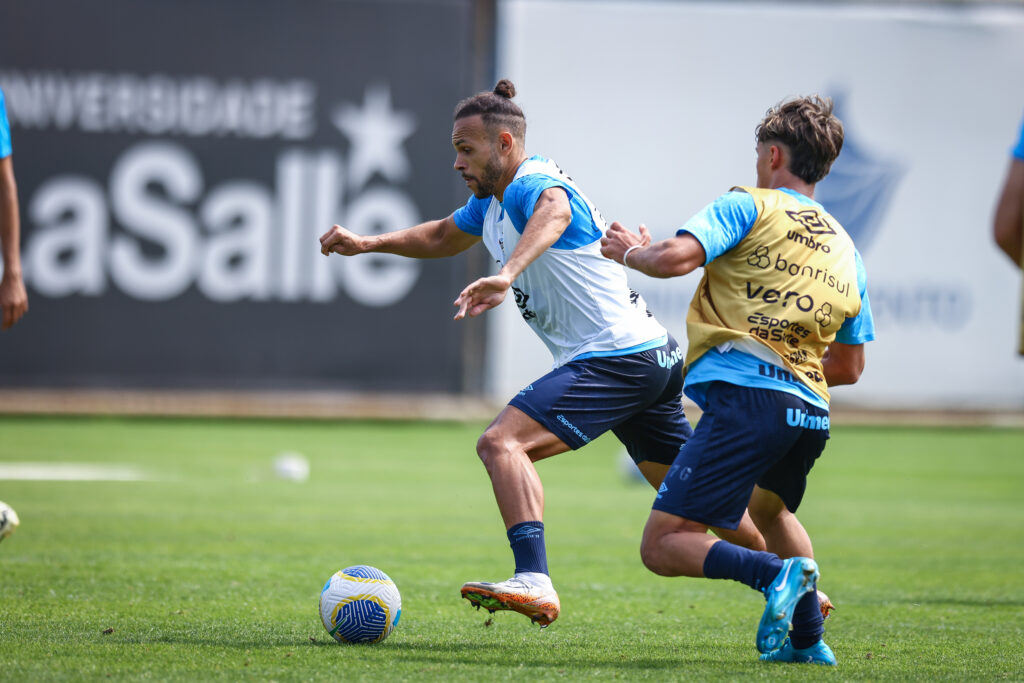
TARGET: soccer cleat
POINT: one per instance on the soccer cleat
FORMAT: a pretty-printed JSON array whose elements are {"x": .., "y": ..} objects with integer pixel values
[
  {"x": 540, "y": 603},
  {"x": 795, "y": 580},
  {"x": 819, "y": 653},
  {"x": 825, "y": 604}
]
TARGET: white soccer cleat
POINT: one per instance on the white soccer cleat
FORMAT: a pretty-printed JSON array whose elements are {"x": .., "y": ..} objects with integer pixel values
[{"x": 530, "y": 594}]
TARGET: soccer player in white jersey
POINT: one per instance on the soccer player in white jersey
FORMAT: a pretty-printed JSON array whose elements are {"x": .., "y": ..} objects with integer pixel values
[{"x": 615, "y": 366}]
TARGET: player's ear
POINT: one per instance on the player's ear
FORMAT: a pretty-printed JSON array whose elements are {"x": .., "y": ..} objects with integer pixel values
[
  {"x": 778, "y": 157},
  {"x": 505, "y": 141}
]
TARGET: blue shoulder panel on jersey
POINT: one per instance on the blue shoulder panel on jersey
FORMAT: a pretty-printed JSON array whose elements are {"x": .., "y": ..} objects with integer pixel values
[
  {"x": 1018, "y": 151},
  {"x": 860, "y": 328},
  {"x": 521, "y": 197},
  {"x": 723, "y": 223},
  {"x": 470, "y": 218},
  {"x": 5, "y": 130}
]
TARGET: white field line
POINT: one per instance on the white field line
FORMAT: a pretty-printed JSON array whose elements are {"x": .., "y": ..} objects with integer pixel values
[{"x": 61, "y": 471}]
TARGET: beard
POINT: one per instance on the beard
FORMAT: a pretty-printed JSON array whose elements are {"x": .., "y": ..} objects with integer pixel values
[{"x": 488, "y": 181}]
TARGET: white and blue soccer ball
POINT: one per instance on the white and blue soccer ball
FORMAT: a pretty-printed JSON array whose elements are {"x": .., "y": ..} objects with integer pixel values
[
  {"x": 360, "y": 604},
  {"x": 8, "y": 520}
]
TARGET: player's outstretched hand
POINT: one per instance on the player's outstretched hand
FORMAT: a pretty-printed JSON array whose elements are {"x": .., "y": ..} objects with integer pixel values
[
  {"x": 341, "y": 241},
  {"x": 482, "y": 295},
  {"x": 13, "y": 299},
  {"x": 617, "y": 239}
]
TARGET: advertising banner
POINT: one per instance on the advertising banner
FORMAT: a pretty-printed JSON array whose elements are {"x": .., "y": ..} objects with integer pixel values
[
  {"x": 176, "y": 164},
  {"x": 653, "y": 112}
]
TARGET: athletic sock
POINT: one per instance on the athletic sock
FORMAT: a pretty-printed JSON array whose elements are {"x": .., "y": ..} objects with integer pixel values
[
  {"x": 527, "y": 542},
  {"x": 808, "y": 624},
  {"x": 752, "y": 567}
]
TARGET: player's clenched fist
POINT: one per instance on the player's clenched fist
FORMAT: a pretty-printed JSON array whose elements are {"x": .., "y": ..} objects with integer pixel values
[{"x": 341, "y": 241}]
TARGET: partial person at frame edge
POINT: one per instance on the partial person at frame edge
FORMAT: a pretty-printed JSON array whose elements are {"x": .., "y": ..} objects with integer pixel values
[
  {"x": 13, "y": 297},
  {"x": 1008, "y": 223}
]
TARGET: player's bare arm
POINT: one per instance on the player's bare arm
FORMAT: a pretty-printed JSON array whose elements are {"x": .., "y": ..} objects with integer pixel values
[
  {"x": 551, "y": 216},
  {"x": 13, "y": 297},
  {"x": 843, "y": 363},
  {"x": 433, "y": 239},
  {"x": 1008, "y": 224},
  {"x": 673, "y": 257}
]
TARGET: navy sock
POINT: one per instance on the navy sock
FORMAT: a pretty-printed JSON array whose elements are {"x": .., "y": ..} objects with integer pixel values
[
  {"x": 808, "y": 624},
  {"x": 527, "y": 542},
  {"x": 754, "y": 568}
]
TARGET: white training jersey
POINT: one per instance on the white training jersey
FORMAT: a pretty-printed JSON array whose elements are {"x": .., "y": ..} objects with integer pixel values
[{"x": 577, "y": 301}]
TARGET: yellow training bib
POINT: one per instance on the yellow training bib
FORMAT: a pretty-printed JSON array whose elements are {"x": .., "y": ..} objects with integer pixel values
[{"x": 789, "y": 284}]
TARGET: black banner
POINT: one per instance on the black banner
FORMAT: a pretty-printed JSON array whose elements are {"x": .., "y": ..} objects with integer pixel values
[{"x": 176, "y": 162}]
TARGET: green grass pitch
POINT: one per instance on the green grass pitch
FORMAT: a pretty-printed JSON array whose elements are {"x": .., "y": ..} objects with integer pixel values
[{"x": 210, "y": 568}]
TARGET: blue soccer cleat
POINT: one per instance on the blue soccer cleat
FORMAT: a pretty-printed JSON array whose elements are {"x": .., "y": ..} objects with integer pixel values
[
  {"x": 796, "y": 579},
  {"x": 819, "y": 653}
]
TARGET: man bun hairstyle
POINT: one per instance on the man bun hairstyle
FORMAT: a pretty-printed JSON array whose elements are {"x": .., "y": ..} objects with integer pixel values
[
  {"x": 505, "y": 88},
  {"x": 809, "y": 130},
  {"x": 496, "y": 109}
]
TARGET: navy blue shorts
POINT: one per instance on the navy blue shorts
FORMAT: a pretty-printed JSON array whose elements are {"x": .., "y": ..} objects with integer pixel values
[
  {"x": 746, "y": 436},
  {"x": 638, "y": 397}
]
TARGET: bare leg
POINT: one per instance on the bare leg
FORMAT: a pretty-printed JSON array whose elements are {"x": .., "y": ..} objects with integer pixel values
[
  {"x": 783, "y": 533},
  {"x": 507, "y": 448},
  {"x": 673, "y": 546}
]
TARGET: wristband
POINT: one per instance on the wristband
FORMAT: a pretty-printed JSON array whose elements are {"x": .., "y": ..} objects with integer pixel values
[{"x": 626, "y": 253}]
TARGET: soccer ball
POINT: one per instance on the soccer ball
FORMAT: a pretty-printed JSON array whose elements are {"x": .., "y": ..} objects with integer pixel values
[
  {"x": 8, "y": 520},
  {"x": 360, "y": 604}
]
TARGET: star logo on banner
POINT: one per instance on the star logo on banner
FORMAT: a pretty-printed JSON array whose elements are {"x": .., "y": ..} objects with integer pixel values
[{"x": 376, "y": 133}]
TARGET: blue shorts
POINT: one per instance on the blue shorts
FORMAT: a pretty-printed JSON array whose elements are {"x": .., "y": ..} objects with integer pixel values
[
  {"x": 746, "y": 436},
  {"x": 638, "y": 397}
]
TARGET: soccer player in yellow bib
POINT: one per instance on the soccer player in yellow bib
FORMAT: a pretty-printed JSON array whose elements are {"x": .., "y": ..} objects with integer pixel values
[{"x": 780, "y": 316}]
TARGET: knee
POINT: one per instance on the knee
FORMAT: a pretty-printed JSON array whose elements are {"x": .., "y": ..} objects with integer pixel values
[
  {"x": 653, "y": 556},
  {"x": 490, "y": 446},
  {"x": 649, "y": 555}
]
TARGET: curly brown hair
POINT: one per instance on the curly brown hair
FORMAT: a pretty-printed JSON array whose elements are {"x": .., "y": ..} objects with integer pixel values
[
  {"x": 496, "y": 108},
  {"x": 811, "y": 132}
]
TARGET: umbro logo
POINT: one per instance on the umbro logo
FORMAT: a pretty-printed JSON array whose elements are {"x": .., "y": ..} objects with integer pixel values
[
  {"x": 526, "y": 532},
  {"x": 812, "y": 221}
]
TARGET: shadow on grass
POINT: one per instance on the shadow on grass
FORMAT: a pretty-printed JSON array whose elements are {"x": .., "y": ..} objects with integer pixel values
[
  {"x": 511, "y": 656},
  {"x": 504, "y": 655}
]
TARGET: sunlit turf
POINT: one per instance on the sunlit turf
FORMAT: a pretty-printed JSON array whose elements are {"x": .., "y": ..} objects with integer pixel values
[{"x": 210, "y": 568}]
